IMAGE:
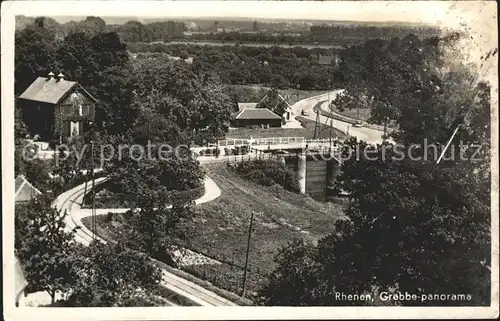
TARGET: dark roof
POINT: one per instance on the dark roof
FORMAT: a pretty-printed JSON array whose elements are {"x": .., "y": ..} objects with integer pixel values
[
  {"x": 256, "y": 113},
  {"x": 50, "y": 91},
  {"x": 326, "y": 60},
  {"x": 24, "y": 190}
]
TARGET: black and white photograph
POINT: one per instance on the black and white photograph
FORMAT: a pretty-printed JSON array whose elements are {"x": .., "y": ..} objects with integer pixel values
[{"x": 337, "y": 157}]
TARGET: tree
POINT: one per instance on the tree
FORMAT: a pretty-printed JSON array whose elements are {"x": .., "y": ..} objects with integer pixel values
[
  {"x": 410, "y": 227},
  {"x": 112, "y": 275},
  {"x": 45, "y": 247},
  {"x": 162, "y": 192},
  {"x": 34, "y": 53},
  {"x": 414, "y": 226},
  {"x": 255, "y": 26},
  {"x": 192, "y": 99}
]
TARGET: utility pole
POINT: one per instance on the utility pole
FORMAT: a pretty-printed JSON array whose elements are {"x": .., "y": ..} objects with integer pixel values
[
  {"x": 248, "y": 252},
  {"x": 331, "y": 126}
]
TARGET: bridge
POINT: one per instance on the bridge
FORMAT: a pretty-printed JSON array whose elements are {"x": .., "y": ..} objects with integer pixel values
[
  {"x": 316, "y": 161},
  {"x": 270, "y": 144}
]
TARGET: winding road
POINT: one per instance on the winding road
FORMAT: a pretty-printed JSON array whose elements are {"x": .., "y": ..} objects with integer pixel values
[
  {"x": 71, "y": 200},
  {"x": 371, "y": 136}
]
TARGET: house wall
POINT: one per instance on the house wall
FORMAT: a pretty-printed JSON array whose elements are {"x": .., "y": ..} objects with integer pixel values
[
  {"x": 38, "y": 118},
  {"x": 256, "y": 122},
  {"x": 75, "y": 108}
]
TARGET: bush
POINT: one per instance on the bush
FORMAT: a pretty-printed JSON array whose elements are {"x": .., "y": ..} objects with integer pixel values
[
  {"x": 240, "y": 150},
  {"x": 109, "y": 217},
  {"x": 210, "y": 152},
  {"x": 268, "y": 173}
]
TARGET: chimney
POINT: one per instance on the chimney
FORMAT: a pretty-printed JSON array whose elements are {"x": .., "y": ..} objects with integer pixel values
[
  {"x": 60, "y": 76},
  {"x": 51, "y": 75}
]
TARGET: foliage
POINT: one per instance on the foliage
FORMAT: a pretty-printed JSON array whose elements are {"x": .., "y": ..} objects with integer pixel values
[
  {"x": 414, "y": 226},
  {"x": 112, "y": 275},
  {"x": 410, "y": 225},
  {"x": 274, "y": 67},
  {"x": 338, "y": 34},
  {"x": 44, "y": 246},
  {"x": 360, "y": 33},
  {"x": 129, "y": 31},
  {"x": 410, "y": 82},
  {"x": 34, "y": 53},
  {"x": 294, "y": 281},
  {"x": 99, "y": 275},
  {"x": 268, "y": 173},
  {"x": 189, "y": 98},
  {"x": 152, "y": 186}
]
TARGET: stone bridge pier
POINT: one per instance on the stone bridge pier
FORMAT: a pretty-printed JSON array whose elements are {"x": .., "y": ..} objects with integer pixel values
[{"x": 316, "y": 173}]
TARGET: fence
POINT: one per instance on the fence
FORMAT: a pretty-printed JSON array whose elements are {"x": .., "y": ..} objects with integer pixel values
[{"x": 270, "y": 141}]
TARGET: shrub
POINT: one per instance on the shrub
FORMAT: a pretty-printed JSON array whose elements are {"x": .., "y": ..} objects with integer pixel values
[{"x": 268, "y": 173}]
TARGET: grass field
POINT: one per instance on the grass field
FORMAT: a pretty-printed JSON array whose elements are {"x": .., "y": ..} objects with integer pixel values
[
  {"x": 220, "y": 228},
  {"x": 306, "y": 132}
]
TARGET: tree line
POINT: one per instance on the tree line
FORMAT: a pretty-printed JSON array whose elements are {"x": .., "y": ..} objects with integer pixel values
[
  {"x": 274, "y": 67},
  {"x": 131, "y": 31},
  {"x": 357, "y": 34}
]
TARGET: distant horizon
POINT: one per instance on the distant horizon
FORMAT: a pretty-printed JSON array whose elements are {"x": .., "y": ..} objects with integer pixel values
[
  {"x": 438, "y": 13},
  {"x": 69, "y": 18}
]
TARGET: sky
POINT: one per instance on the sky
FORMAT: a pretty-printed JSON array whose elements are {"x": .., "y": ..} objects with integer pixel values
[
  {"x": 435, "y": 12},
  {"x": 478, "y": 18}
]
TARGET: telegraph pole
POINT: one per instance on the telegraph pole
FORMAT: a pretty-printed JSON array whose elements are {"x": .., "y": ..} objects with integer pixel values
[
  {"x": 316, "y": 125},
  {"x": 331, "y": 126},
  {"x": 248, "y": 252}
]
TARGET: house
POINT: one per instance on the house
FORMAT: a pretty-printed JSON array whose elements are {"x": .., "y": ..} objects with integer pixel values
[
  {"x": 56, "y": 109},
  {"x": 24, "y": 191},
  {"x": 287, "y": 115},
  {"x": 250, "y": 117}
]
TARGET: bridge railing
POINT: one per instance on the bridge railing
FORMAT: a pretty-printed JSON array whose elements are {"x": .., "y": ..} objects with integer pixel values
[
  {"x": 270, "y": 141},
  {"x": 262, "y": 141}
]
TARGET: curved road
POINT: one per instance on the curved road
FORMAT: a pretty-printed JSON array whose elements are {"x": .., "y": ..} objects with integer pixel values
[
  {"x": 70, "y": 202},
  {"x": 369, "y": 135}
]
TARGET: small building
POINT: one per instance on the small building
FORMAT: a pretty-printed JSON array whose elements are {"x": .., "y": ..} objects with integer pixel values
[
  {"x": 287, "y": 115},
  {"x": 56, "y": 109},
  {"x": 261, "y": 117},
  {"x": 24, "y": 191}
]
